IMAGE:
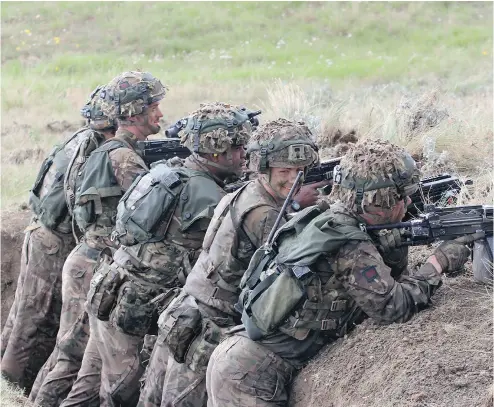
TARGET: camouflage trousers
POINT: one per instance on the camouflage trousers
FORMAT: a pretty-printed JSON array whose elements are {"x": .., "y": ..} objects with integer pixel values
[
  {"x": 243, "y": 373},
  {"x": 115, "y": 358},
  {"x": 154, "y": 377},
  {"x": 183, "y": 387},
  {"x": 59, "y": 373},
  {"x": 29, "y": 334}
]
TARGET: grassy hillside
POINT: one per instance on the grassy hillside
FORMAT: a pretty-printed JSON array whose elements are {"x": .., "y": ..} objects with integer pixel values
[{"x": 54, "y": 53}]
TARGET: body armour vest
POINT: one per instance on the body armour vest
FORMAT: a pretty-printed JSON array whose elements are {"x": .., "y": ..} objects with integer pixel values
[
  {"x": 98, "y": 192},
  {"x": 46, "y": 198},
  {"x": 162, "y": 220},
  {"x": 226, "y": 251},
  {"x": 297, "y": 293}
]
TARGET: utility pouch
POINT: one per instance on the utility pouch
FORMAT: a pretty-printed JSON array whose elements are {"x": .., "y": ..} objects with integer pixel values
[
  {"x": 133, "y": 314},
  {"x": 103, "y": 290},
  {"x": 179, "y": 324},
  {"x": 202, "y": 346},
  {"x": 272, "y": 301}
]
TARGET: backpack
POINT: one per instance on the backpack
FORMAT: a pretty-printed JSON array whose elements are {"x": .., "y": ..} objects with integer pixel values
[
  {"x": 276, "y": 280},
  {"x": 51, "y": 208}
]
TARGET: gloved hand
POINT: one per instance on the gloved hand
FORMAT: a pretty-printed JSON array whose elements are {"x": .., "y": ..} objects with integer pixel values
[
  {"x": 388, "y": 240},
  {"x": 451, "y": 255}
]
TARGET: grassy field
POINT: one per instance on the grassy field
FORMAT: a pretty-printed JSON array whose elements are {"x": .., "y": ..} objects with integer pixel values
[{"x": 351, "y": 63}]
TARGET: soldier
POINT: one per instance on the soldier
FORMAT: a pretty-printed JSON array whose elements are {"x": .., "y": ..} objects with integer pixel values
[
  {"x": 133, "y": 99},
  {"x": 326, "y": 274},
  {"x": 160, "y": 223},
  {"x": 30, "y": 332},
  {"x": 242, "y": 221}
]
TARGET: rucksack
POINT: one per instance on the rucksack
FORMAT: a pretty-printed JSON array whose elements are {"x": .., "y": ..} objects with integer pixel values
[{"x": 51, "y": 208}]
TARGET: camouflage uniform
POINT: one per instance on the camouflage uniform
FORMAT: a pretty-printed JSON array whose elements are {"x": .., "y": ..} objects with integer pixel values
[
  {"x": 29, "y": 334},
  {"x": 126, "y": 164},
  {"x": 153, "y": 266},
  {"x": 345, "y": 278},
  {"x": 241, "y": 224}
]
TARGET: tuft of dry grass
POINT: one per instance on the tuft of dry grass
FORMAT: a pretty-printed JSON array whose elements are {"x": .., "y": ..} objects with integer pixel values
[{"x": 12, "y": 396}]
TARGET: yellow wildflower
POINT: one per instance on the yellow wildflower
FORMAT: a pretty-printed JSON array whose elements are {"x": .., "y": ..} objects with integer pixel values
[
  {"x": 17, "y": 48},
  {"x": 57, "y": 68},
  {"x": 27, "y": 31},
  {"x": 77, "y": 45},
  {"x": 484, "y": 52},
  {"x": 57, "y": 40}
]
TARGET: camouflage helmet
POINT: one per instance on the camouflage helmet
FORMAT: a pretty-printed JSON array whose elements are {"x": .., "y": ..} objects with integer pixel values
[
  {"x": 281, "y": 143},
  {"x": 93, "y": 112},
  {"x": 131, "y": 92},
  {"x": 374, "y": 172},
  {"x": 215, "y": 127}
]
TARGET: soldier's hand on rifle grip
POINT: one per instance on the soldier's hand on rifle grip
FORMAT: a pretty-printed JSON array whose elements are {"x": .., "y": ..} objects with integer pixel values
[
  {"x": 308, "y": 193},
  {"x": 451, "y": 255},
  {"x": 388, "y": 240}
]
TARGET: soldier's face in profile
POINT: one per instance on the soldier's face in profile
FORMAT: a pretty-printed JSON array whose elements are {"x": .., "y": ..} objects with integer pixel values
[
  {"x": 237, "y": 161},
  {"x": 149, "y": 121}
]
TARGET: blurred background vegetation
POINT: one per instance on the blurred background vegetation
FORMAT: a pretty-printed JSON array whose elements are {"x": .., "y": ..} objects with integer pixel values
[{"x": 348, "y": 65}]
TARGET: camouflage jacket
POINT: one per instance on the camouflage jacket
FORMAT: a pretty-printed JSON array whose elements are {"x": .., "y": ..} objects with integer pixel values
[
  {"x": 126, "y": 165},
  {"x": 345, "y": 287},
  {"x": 166, "y": 263},
  {"x": 241, "y": 224}
]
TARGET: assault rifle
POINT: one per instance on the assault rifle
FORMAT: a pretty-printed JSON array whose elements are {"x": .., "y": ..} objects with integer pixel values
[
  {"x": 437, "y": 223},
  {"x": 440, "y": 189}
]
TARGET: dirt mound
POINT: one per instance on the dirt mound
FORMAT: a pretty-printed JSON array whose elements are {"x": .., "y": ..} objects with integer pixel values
[
  {"x": 442, "y": 357},
  {"x": 12, "y": 236}
]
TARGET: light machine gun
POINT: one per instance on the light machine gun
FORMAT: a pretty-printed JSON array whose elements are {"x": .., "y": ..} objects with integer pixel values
[{"x": 469, "y": 224}]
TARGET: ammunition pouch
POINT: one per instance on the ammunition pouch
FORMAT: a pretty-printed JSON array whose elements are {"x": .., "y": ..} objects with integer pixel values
[
  {"x": 179, "y": 324},
  {"x": 103, "y": 289},
  {"x": 202, "y": 347},
  {"x": 134, "y": 310},
  {"x": 272, "y": 301}
]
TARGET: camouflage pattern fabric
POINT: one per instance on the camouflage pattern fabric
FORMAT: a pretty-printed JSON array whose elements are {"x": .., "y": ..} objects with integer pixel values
[
  {"x": 243, "y": 373},
  {"x": 130, "y": 93},
  {"x": 154, "y": 377},
  {"x": 183, "y": 387},
  {"x": 30, "y": 331},
  {"x": 116, "y": 356},
  {"x": 77, "y": 275},
  {"x": 271, "y": 134},
  {"x": 217, "y": 139},
  {"x": 126, "y": 165},
  {"x": 365, "y": 160},
  {"x": 85, "y": 390},
  {"x": 73, "y": 333}
]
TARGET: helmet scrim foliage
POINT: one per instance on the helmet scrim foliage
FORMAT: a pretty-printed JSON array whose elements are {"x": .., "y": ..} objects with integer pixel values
[
  {"x": 281, "y": 143},
  {"x": 215, "y": 127},
  {"x": 132, "y": 92},
  {"x": 93, "y": 110},
  {"x": 375, "y": 172}
]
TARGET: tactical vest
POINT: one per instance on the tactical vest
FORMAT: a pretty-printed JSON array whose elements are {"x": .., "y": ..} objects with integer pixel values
[
  {"x": 98, "y": 192},
  {"x": 226, "y": 251},
  {"x": 145, "y": 211},
  {"x": 73, "y": 176},
  {"x": 303, "y": 296},
  {"x": 46, "y": 198},
  {"x": 155, "y": 218}
]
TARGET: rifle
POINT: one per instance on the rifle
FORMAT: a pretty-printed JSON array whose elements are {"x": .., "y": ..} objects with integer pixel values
[
  {"x": 163, "y": 149},
  {"x": 438, "y": 223},
  {"x": 440, "y": 189}
]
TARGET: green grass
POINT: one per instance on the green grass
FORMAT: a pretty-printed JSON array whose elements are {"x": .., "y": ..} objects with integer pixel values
[{"x": 55, "y": 53}]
